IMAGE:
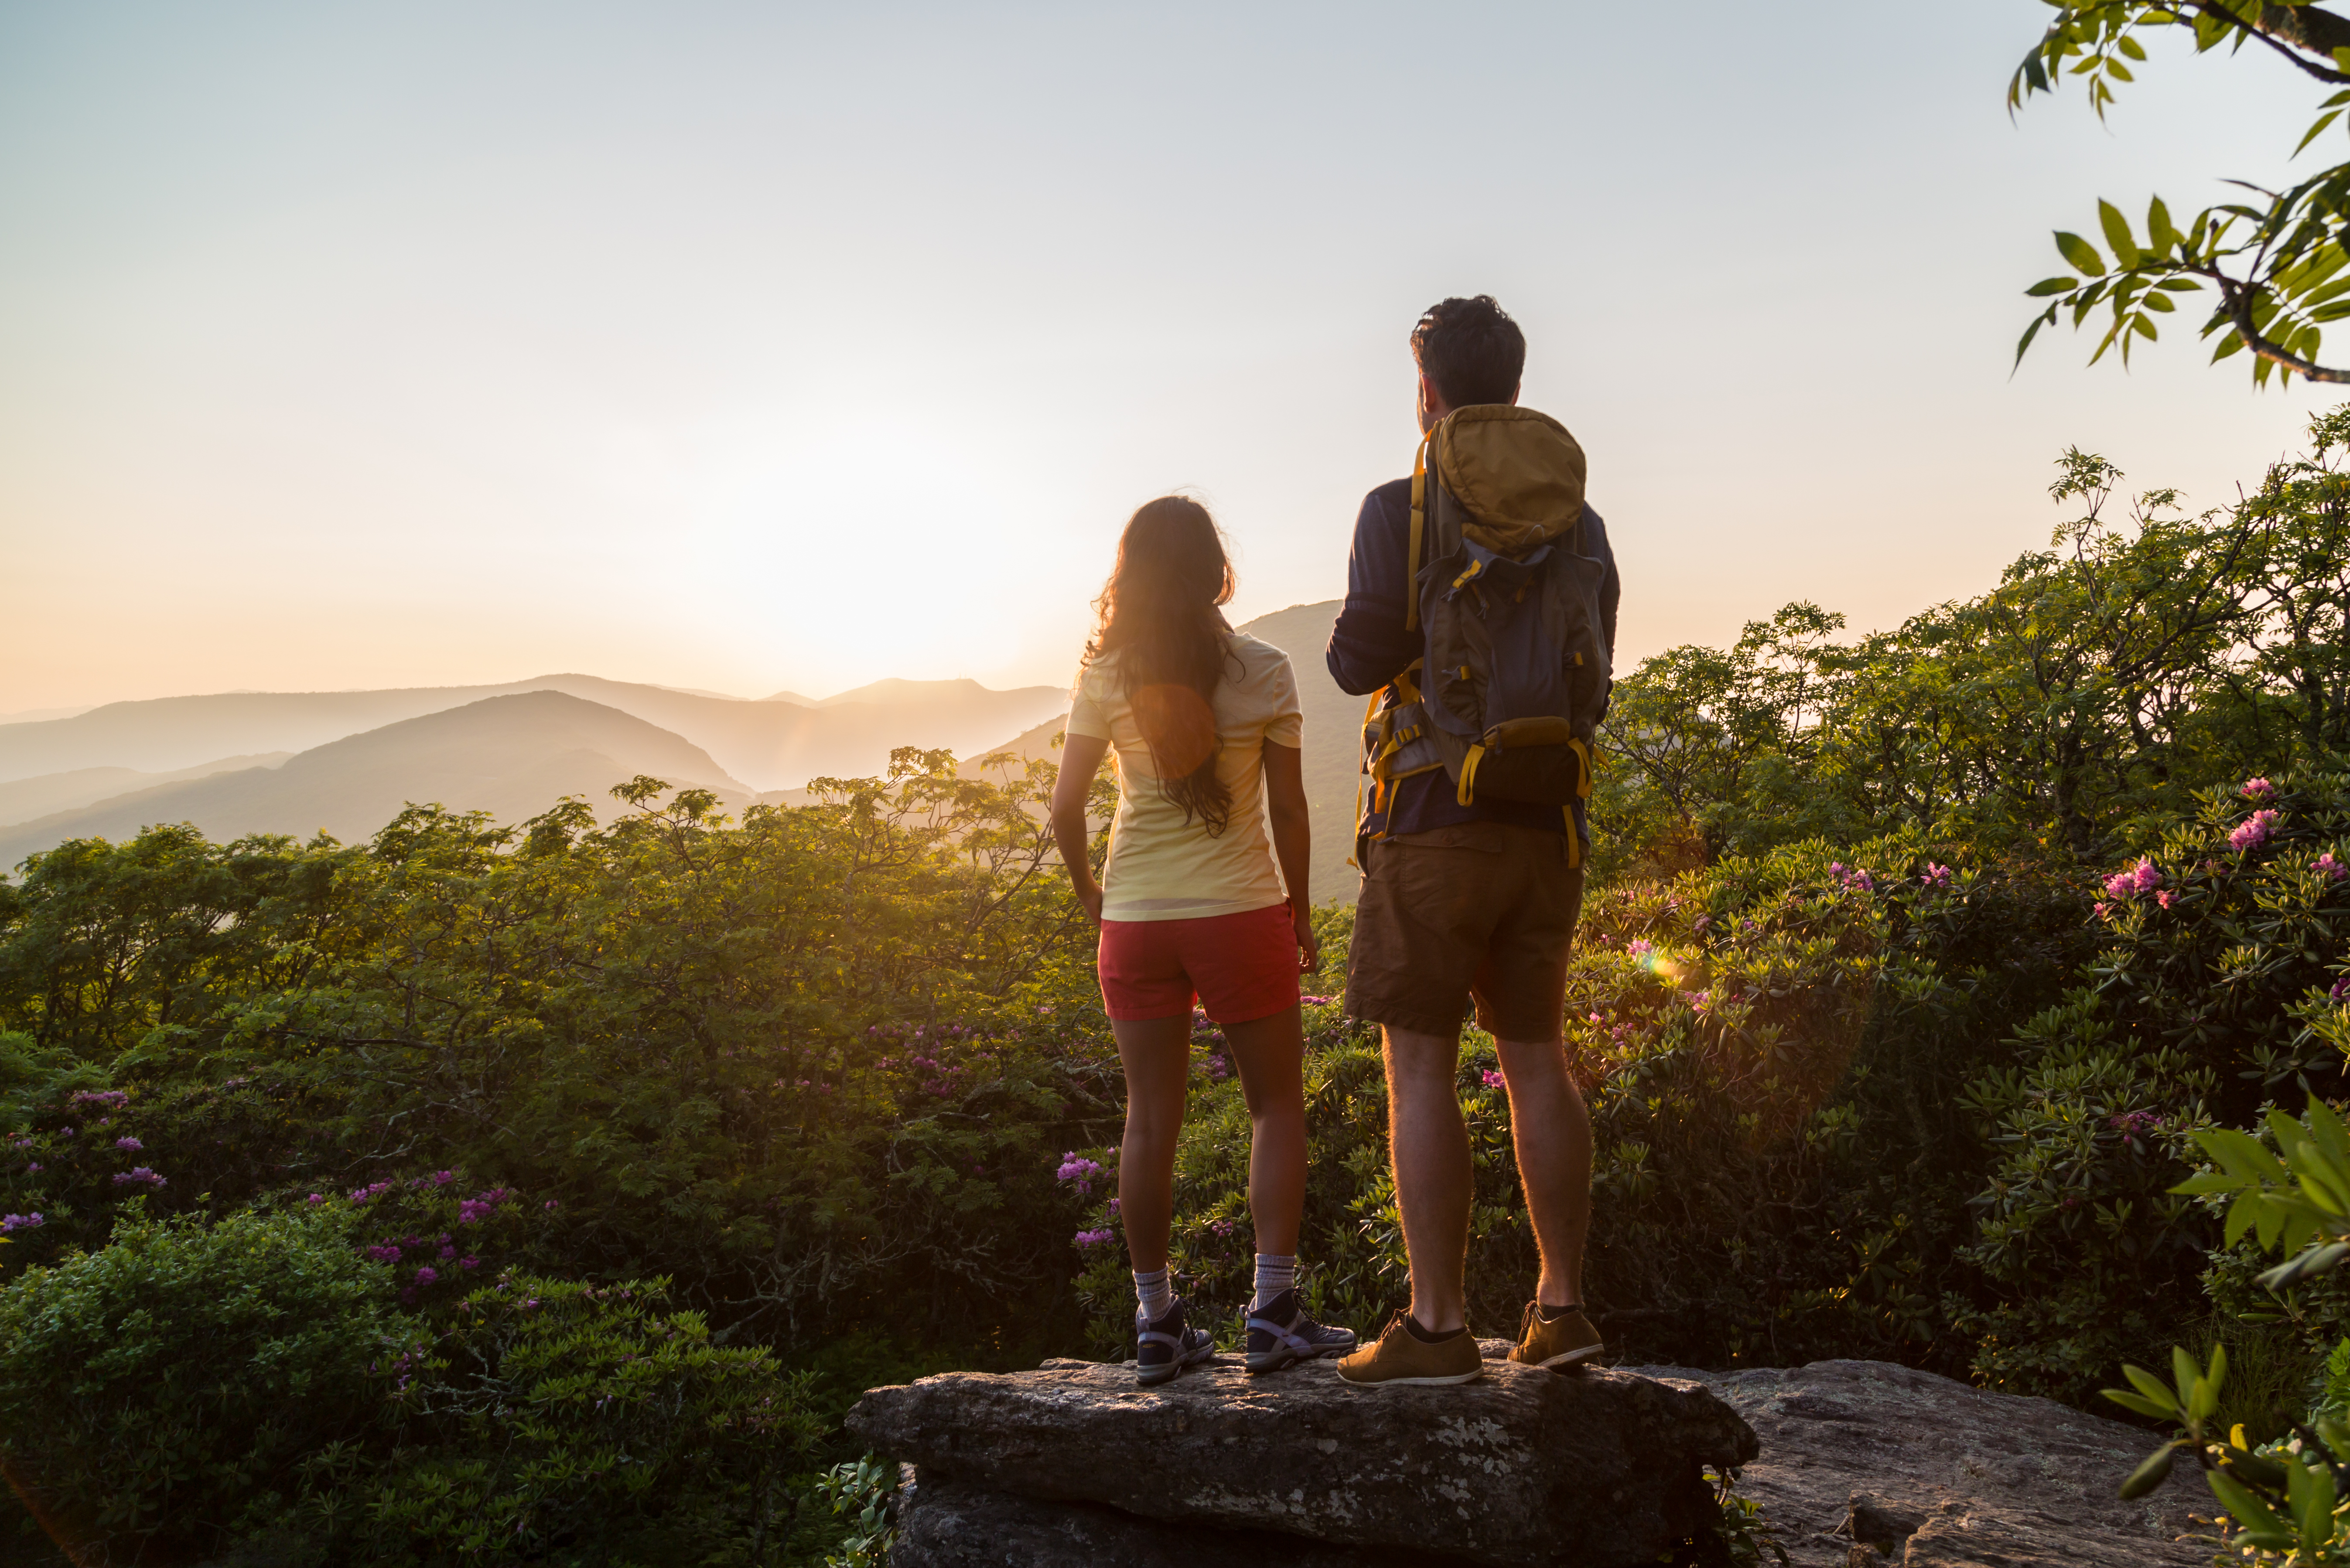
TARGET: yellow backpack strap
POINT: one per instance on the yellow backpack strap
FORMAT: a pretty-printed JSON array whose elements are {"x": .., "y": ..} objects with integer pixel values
[
  {"x": 1467, "y": 794},
  {"x": 1418, "y": 523}
]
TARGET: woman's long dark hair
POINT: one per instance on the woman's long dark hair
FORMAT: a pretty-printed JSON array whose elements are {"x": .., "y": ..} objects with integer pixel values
[{"x": 1160, "y": 612}]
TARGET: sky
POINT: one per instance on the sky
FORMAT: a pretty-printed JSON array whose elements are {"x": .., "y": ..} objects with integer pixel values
[{"x": 760, "y": 346}]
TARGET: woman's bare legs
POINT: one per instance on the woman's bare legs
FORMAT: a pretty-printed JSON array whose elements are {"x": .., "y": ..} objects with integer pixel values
[
  {"x": 1268, "y": 1051},
  {"x": 1156, "y": 1055}
]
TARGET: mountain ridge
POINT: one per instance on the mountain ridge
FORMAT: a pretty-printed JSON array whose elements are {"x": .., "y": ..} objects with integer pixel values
[
  {"x": 513, "y": 756},
  {"x": 766, "y": 744}
]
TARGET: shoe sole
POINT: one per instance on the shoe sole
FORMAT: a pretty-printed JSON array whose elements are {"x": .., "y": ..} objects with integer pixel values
[
  {"x": 1274, "y": 1361},
  {"x": 1572, "y": 1356},
  {"x": 1168, "y": 1374},
  {"x": 1416, "y": 1381}
]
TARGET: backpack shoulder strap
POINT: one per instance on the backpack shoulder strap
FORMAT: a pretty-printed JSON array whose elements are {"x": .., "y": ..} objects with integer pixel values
[{"x": 1419, "y": 527}]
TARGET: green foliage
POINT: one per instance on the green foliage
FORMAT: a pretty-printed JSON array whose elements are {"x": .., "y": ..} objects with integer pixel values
[
  {"x": 165, "y": 1391},
  {"x": 782, "y": 1061},
  {"x": 816, "y": 1062},
  {"x": 2210, "y": 994},
  {"x": 2073, "y": 709},
  {"x": 557, "y": 1418},
  {"x": 2276, "y": 263},
  {"x": 857, "y": 1493},
  {"x": 190, "y": 1386}
]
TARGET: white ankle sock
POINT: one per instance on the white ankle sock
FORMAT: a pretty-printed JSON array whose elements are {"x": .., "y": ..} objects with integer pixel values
[
  {"x": 1275, "y": 1274},
  {"x": 1154, "y": 1294}
]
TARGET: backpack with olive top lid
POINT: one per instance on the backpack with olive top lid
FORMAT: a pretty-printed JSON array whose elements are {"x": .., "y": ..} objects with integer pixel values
[{"x": 1515, "y": 668}]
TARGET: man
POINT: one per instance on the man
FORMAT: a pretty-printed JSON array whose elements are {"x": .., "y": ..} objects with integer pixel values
[{"x": 1460, "y": 901}]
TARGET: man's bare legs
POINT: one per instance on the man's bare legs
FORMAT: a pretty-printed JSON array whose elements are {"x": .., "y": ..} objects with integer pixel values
[
  {"x": 1156, "y": 1055},
  {"x": 1551, "y": 1132},
  {"x": 1429, "y": 1144},
  {"x": 1434, "y": 1178}
]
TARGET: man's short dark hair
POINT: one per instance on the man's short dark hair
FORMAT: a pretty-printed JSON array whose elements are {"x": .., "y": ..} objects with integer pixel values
[{"x": 1470, "y": 349}]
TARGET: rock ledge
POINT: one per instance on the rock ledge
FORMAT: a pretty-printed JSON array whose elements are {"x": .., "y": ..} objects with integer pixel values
[{"x": 1525, "y": 1469}]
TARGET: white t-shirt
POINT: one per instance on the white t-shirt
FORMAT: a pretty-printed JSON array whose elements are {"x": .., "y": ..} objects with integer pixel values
[{"x": 1162, "y": 867}]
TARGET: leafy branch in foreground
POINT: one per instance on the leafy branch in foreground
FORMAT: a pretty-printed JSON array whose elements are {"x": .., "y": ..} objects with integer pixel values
[
  {"x": 2276, "y": 263},
  {"x": 2290, "y": 1500}
]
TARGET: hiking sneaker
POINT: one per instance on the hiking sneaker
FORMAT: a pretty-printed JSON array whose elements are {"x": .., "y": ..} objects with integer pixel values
[
  {"x": 1164, "y": 1348},
  {"x": 1402, "y": 1357},
  {"x": 1559, "y": 1342},
  {"x": 1279, "y": 1332}
]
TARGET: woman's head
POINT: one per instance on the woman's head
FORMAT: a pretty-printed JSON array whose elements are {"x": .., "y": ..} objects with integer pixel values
[{"x": 1160, "y": 613}]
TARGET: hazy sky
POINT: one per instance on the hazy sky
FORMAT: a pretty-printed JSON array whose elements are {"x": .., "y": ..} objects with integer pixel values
[{"x": 762, "y": 346}]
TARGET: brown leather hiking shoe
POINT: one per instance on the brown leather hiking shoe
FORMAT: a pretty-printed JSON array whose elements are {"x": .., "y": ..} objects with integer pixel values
[
  {"x": 1558, "y": 1342},
  {"x": 1401, "y": 1356}
]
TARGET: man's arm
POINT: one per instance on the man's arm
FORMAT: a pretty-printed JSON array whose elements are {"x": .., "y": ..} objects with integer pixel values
[
  {"x": 1611, "y": 587},
  {"x": 1368, "y": 645}
]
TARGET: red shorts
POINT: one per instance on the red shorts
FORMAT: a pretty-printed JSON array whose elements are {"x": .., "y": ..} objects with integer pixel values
[{"x": 1242, "y": 966}]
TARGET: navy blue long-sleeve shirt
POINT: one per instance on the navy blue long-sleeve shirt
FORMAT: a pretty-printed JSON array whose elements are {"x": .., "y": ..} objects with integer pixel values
[{"x": 1369, "y": 648}]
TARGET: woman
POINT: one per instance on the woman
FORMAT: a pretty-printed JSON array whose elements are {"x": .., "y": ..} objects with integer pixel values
[{"x": 1205, "y": 725}]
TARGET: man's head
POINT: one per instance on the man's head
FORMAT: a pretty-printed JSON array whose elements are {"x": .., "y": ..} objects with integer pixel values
[{"x": 1469, "y": 351}]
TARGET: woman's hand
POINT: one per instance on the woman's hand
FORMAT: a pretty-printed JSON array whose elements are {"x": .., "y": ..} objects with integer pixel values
[
  {"x": 1309, "y": 946},
  {"x": 1090, "y": 895}
]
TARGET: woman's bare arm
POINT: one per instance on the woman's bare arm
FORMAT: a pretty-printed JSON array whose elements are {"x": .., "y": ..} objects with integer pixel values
[
  {"x": 1081, "y": 758},
  {"x": 1293, "y": 841}
]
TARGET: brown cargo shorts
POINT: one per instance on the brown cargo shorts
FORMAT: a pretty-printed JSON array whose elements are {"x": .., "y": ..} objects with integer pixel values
[{"x": 1482, "y": 909}]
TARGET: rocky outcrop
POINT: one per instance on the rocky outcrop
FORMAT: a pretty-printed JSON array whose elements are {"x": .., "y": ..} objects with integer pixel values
[
  {"x": 1855, "y": 1462},
  {"x": 1074, "y": 1464},
  {"x": 1930, "y": 1473}
]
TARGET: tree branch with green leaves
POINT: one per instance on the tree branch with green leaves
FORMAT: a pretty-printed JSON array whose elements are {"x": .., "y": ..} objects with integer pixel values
[{"x": 2275, "y": 260}]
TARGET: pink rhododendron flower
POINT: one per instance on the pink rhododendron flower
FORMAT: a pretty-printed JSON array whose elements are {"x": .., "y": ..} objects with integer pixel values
[
  {"x": 2256, "y": 789},
  {"x": 2333, "y": 870},
  {"x": 2254, "y": 831},
  {"x": 1494, "y": 1080}
]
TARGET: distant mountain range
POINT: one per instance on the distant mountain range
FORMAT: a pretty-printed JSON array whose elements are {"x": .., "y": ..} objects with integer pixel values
[
  {"x": 24, "y": 799},
  {"x": 771, "y": 745},
  {"x": 512, "y": 756},
  {"x": 346, "y": 762}
]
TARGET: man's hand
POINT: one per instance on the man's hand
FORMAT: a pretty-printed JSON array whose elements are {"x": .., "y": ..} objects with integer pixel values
[
  {"x": 1309, "y": 946},
  {"x": 1090, "y": 896}
]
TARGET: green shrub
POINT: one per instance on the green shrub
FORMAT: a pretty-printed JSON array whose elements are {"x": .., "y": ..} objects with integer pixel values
[
  {"x": 557, "y": 1419},
  {"x": 2220, "y": 944},
  {"x": 163, "y": 1391}
]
